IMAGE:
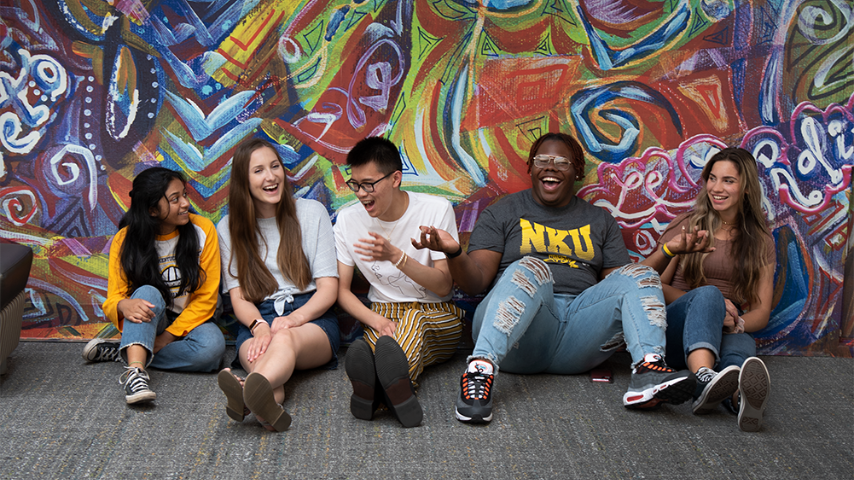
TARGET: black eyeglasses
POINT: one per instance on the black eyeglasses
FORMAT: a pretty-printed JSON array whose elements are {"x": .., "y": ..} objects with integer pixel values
[{"x": 368, "y": 187}]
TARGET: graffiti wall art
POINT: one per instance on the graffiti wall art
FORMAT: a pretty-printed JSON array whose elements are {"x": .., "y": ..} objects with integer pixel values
[{"x": 94, "y": 91}]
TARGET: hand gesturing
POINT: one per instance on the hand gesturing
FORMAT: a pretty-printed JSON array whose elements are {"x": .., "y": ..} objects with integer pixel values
[
  {"x": 376, "y": 248},
  {"x": 437, "y": 240},
  {"x": 690, "y": 242}
]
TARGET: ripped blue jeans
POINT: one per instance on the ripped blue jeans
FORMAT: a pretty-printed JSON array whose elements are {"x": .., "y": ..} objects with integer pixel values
[{"x": 522, "y": 326}]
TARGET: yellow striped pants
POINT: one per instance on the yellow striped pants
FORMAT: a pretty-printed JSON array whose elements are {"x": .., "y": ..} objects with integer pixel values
[{"x": 427, "y": 332}]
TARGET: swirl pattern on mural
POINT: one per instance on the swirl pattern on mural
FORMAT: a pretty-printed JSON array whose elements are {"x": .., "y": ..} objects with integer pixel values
[{"x": 93, "y": 91}]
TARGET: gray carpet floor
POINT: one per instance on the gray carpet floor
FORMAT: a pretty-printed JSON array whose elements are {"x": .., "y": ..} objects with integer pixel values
[{"x": 63, "y": 419}]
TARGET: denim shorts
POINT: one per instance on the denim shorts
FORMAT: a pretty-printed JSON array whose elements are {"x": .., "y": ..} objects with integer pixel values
[{"x": 328, "y": 322}]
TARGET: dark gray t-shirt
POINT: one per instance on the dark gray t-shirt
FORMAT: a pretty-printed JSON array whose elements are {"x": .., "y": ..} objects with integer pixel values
[{"x": 576, "y": 241}]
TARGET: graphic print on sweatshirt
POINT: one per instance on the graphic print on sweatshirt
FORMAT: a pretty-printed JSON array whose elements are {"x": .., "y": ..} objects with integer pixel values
[{"x": 557, "y": 246}]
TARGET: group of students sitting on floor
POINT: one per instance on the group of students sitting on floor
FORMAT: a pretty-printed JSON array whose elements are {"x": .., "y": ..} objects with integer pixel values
[{"x": 562, "y": 293}]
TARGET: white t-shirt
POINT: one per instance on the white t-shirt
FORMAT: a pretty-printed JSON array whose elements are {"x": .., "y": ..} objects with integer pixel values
[
  {"x": 169, "y": 266},
  {"x": 317, "y": 245},
  {"x": 388, "y": 284}
]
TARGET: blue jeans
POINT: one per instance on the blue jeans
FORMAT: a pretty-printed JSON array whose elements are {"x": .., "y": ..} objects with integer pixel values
[
  {"x": 533, "y": 330},
  {"x": 199, "y": 351},
  {"x": 695, "y": 320},
  {"x": 736, "y": 348}
]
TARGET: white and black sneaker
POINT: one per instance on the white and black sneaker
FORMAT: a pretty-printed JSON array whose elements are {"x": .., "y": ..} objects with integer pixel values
[
  {"x": 101, "y": 350},
  {"x": 135, "y": 381},
  {"x": 653, "y": 383},
  {"x": 754, "y": 387},
  {"x": 714, "y": 387}
]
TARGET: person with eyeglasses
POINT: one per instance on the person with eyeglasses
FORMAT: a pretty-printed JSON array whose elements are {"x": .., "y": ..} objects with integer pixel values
[
  {"x": 412, "y": 322},
  {"x": 565, "y": 295}
]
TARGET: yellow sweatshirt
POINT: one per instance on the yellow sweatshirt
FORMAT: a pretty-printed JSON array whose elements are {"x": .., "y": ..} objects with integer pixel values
[{"x": 192, "y": 309}]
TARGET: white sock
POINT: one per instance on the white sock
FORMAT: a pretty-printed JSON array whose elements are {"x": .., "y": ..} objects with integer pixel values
[
  {"x": 482, "y": 366},
  {"x": 651, "y": 357}
]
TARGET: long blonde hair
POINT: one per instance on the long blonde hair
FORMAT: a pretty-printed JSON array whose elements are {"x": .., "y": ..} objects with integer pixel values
[
  {"x": 255, "y": 279},
  {"x": 750, "y": 235}
]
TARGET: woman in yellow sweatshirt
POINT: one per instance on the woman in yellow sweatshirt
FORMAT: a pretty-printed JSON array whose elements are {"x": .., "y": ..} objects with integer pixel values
[{"x": 162, "y": 289}]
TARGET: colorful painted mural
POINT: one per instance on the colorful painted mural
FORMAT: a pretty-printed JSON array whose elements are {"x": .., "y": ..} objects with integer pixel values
[{"x": 93, "y": 91}]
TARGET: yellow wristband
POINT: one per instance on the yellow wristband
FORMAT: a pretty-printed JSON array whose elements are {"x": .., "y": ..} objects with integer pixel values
[{"x": 666, "y": 251}]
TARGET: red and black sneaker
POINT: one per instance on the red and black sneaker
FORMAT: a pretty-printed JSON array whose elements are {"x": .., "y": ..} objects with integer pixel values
[
  {"x": 474, "y": 405},
  {"x": 653, "y": 383}
]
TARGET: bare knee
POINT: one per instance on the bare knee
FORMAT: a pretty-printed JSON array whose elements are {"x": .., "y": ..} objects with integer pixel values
[{"x": 284, "y": 339}]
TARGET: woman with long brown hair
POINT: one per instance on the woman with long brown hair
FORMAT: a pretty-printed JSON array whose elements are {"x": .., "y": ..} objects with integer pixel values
[
  {"x": 279, "y": 268},
  {"x": 716, "y": 299}
]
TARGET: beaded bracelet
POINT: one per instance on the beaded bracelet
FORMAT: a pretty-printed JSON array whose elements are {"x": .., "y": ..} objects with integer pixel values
[{"x": 401, "y": 261}]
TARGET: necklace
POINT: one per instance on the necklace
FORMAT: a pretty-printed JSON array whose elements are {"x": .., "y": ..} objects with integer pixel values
[
  {"x": 728, "y": 229},
  {"x": 387, "y": 234},
  {"x": 379, "y": 222},
  {"x": 728, "y": 225}
]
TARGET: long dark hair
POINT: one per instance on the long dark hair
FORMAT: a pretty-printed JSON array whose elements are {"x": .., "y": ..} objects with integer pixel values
[
  {"x": 254, "y": 278},
  {"x": 751, "y": 234},
  {"x": 139, "y": 258}
]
